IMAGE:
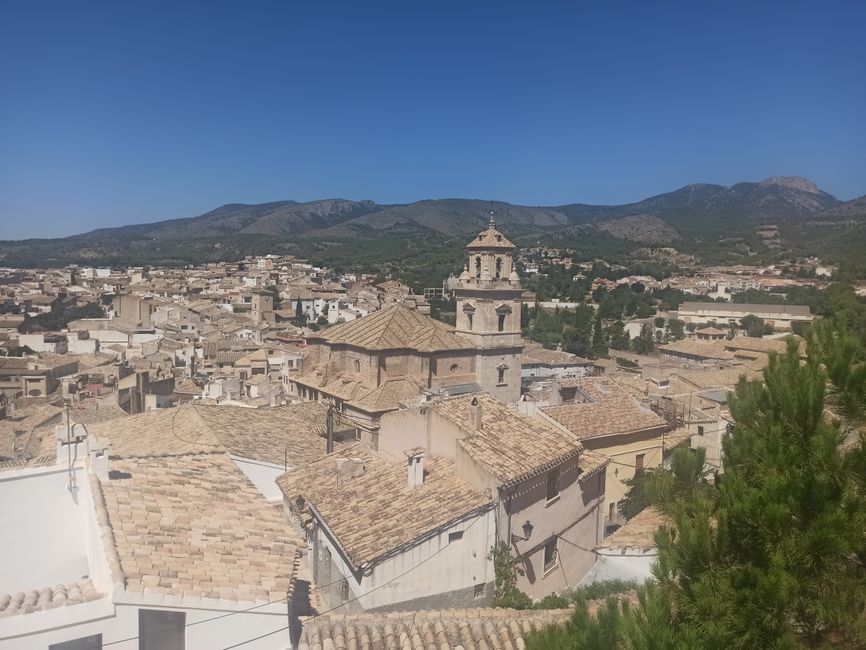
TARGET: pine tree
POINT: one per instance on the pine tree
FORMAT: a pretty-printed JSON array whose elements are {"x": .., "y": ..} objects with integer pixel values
[{"x": 771, "y": 555}]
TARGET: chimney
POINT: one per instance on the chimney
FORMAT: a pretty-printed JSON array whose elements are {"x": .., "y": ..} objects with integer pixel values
[
  {"x": 415, "y": 467},
  {"x": 475, "y": 421}
]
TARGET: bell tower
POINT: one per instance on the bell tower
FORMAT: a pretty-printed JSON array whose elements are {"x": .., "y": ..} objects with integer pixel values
[{"x": 488, "y": 312}]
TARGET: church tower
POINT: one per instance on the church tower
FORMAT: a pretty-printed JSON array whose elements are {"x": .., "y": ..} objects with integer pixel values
[{"x": 488, "y": 312}]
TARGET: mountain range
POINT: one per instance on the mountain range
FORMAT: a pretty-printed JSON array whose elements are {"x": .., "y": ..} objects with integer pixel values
[{"x": 692, "y": 218}]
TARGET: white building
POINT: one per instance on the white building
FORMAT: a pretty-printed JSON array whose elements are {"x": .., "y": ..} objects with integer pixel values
[{"x": 165, "y": 544}]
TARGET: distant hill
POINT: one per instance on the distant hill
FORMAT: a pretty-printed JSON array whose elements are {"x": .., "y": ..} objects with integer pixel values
[{"x": 711, "y": 221}]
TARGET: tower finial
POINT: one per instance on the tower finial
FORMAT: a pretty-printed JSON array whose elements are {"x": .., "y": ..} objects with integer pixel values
[{"x": 492, "y": 223}]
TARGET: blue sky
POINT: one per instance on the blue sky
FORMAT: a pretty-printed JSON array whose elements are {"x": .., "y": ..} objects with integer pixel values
[{"x": 115, "y": 113}]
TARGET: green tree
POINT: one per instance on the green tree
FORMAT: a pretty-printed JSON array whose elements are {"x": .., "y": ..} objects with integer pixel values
[
  {"x": 771, "y": 555},
  {"x": 643, "y": 343},
  {"x": 677, "y": 329},
  {"x": 506, "y": 568},
  {"x": 599, "y": 344},
  {"x": 753, "y": 325},
  {"x": 618, "y": 336}
]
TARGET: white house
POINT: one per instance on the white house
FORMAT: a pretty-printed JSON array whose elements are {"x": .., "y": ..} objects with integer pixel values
[{"x": 142, "y": 549}]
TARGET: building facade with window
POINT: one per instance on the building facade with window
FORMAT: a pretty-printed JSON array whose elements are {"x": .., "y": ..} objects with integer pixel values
[
  {"x": 608, "y": 420},
  {"x": 157, "y": 542},
  {"x": 548, "y": 489},
  {"x": 389, "y": 358}
]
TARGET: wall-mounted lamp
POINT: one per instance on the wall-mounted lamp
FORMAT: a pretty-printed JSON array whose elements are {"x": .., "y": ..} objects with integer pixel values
[{"x": 527, "y": 532}]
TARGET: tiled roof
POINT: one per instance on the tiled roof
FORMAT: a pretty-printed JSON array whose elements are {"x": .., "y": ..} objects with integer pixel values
[
  {"x": 454, "y": 629},
  {"x": 395, "y": 328},
  {"x": 389, "y": 395},
  {"x": 193, "y": 525},
  {"x": 801, "y": 311},
  {"x": 19, "y": 435},
  {"x": 490, "y": 238},
  {"x": 699, "y": 349},
  {"x": 534, "y": 354},
  {"x": 510, "y": 445},
  {"x": 37, "y": 600},
  {"x": 638, "y": 532},
  {"x": 378, "y": 512},
  {"x": 103, "y": 413},
  {"x": 612, "y": 411},
  {"x": 169, "y": 431},
  {"x": 268, "y": 434},
  {"x": 265, "y": 434}
]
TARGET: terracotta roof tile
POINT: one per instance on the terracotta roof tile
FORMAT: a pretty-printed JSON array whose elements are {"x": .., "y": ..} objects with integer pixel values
[
  {"x": 610, "y": 411},
  {"x": 511, "y": 445},
  {"x": 395, "y": 328},
  {"x": 195, "y": 526},
  {"x": 377, "y": 512},
  {"x": 455, "y": 629}
]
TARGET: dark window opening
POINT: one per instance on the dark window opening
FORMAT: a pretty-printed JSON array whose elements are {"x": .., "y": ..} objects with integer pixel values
[
  {"x": 550, "y": 555},
  {"x": 501, "y": 322},
  {"x": 552, "y": 484},
  {"x": 639, "y": 463},
  {"x": 161, "y": 630},
  {"x": 455, "y": 536}
]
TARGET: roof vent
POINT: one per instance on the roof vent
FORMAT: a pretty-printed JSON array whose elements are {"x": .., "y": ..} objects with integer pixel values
[
  {"x": 415, "y": 467},
  {"x": 475, "y": 421}
]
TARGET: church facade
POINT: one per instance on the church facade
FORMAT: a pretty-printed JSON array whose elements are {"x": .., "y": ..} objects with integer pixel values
[{"x": 374, "y": 364}]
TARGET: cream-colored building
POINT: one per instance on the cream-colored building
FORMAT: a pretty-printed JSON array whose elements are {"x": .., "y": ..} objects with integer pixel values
[
  {"x": 608, "y": 420},
  {"x": 389, "y": 358}
]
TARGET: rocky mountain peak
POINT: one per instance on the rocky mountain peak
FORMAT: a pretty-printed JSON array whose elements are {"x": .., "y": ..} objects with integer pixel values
[{"x": 792, "y": 182}]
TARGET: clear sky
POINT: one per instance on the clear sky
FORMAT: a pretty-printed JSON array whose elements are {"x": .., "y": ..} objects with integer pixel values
[{"x": 120, "y": 112}]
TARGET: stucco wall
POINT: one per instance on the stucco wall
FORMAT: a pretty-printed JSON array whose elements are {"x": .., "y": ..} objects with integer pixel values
[
  {"x": 435, "y": 567},
  {"x": 43, "y": 535}
]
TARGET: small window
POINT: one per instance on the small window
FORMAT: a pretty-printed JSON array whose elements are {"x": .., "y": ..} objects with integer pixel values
[
  {"x": 478, "y": 591},
  {"x": 344, "y": 590},
  {"x": 161, "y": 630},
  {"x": 84, "y": 643},
  {"x": 700, "y": 429},
  {"x": 454, "y": 367},
  {"x": 501, "y": 324},
  {"x": 357, "y": 366},
  {"x": 552, "y": 484},
  {"x": 639, "y": 463},
  {"x": 469, "y": 316},
  {"x": 501, "y": 380},
  {"x": 550, "y": 555},
  {"x": 455, "y": 536},
  {"x": 611, "y": 510}
]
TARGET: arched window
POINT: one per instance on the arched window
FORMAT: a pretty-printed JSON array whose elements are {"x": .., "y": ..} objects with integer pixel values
[
  {"x": 498, "y": 267},
  {"x": 478, "y": 266},
  {"x": 357, "y": 366}
]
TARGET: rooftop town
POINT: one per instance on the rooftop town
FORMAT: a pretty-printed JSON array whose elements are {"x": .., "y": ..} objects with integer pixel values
[{"x": 268, "y": 450}]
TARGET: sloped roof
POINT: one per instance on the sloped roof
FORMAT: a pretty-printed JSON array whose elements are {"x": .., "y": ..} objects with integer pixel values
[
  {"x": 395, "y": 328},
  {"x": 612, "y": 411},
  {"x": 38, "y": 600},
  {"x": 182, "y": 526},
  {"x": 451, "y": 629},
  {"x": 388, "y": 395},
  {"x": 509, "y": 444},
  {"x": 638, "y": 532},
  {"x": 378, "y": 512},
  {"x": 490, "y": 238},
  {"x": 268, "y": 434}
]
